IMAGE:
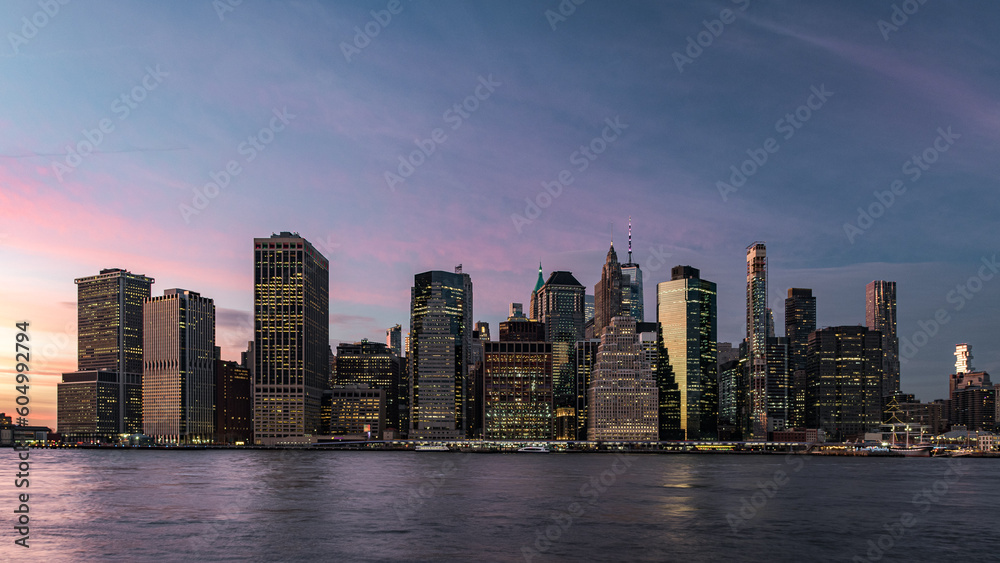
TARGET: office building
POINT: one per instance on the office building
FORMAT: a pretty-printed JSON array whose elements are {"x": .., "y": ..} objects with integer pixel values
[
  {"x": 880, "y": 315},
  {"x": 686, "y": 312},
  {"x": 102, "y": 400},
  {"x": 394, "y": 340},
  {"x": 441, "y": 340},
  {"x": 844, "y": 370},
  {"x": 178, "y": 383},
  {"x": 233, "y": 403},
  {"x": 373, "y": 365},
  {"x": 519, "y": 328},
  {"x": 356, "y": 412},
  {"x": 560, "y": 308},
  {"x": 584, "y": 362},
  {"x": 291, "y": 338},
  {"x": 518, "y": 390},
  {"x": 623, "y": 401}
]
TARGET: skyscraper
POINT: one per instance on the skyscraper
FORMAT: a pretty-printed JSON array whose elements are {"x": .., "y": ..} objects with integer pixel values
[
  {"x": 233, "y": 403},
  {"x": 880, "y": 315},
  {"x": 757, "y": 332},
  {"x": 963, "y": 358},
  {"x": 608, "y": 293},
  {"x": 800, "y": 320},
  {"x": 623, "y": 400},
  {"x": 104, "y": 397},
  {"x": 517, "y": 387},
  {"x": 441, "y": 341},
  {"x": 394, "y": 340},
  {"x": 533, "y": 304},
  {"x": 375, "y": 366},
  {"x": 632, "y": 302},
  {"x": 686, "y": 312},
  {"x": 291, "y": 338},
  {"x": 844, "y": 393},
  {"x": 560, "y": 307},
  {"x": 178, "y": 383}
]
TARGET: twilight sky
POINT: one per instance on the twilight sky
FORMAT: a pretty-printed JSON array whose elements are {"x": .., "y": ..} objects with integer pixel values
[{"x": 309, "y": 112}]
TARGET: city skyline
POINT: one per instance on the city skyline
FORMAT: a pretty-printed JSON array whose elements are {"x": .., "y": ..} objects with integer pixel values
[{"x": 336, "y": 126}]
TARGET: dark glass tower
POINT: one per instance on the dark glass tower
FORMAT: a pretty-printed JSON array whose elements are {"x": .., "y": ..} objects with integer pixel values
[
  {"x": 843, "y": 393},
  {"x": 376, "y": 366},
  {"x": 800, "y": 320},
  {"x": 561, "y": 310},
  {"x": 291, "y": 338},
  {"x": 441, "y": 343},
  {"x": 880, "y": 315}
]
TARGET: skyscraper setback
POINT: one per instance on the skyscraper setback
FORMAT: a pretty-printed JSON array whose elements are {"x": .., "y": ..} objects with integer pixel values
[
  {"x": 291, "y": 338},
  {"x": 104, "y": 397},
  {"x": 880, "y": 315},
  {"x": 178, "y": 383},
  {"x": 441, "y": 345},
  {"x": 608, "y": 292}
]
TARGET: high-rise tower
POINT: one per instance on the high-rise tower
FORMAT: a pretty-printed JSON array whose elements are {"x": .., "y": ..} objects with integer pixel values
[
  {"x": 632, "y": 302},
  {"x": 608, "y": 292},
  {"x": 686, "y": 313},
  {"x": 178, "y": 384},
  {"x": 963, "y": 358},
  {"x": 291, "y": 338},
  {"x": 800, "y": 320},
  {"x": 104, "y": 397},
  {"x": 880, "y": 315},
  {"x": 441, "y": 345},
  {"x": 622, "y": 399},
  {"x": 757, "y": 333}
]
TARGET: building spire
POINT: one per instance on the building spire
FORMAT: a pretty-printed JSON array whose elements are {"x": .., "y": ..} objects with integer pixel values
[{"x": 629, "y": 239}]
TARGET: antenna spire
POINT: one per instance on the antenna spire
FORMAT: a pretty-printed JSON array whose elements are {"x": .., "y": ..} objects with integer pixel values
[{"x": 629, "y": 239}]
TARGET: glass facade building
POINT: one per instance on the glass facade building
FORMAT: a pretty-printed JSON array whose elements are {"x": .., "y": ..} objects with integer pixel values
[
  {"x": 441, "y": 330},
  {"x": 291, "y": 338},
  {"x": 687, "y": 314},
  {"x": 880, "y": 315}
]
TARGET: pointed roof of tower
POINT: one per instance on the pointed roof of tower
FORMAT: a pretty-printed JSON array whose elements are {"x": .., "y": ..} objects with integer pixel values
[{"x": 541, "y": 280}]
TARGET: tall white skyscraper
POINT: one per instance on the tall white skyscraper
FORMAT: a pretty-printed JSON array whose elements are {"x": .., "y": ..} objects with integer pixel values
[
  {"x": 756, "y": 423},
  {"x": 622, "y": 400}
]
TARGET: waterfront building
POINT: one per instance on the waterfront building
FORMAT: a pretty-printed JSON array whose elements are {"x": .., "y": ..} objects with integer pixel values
[
  {"x": 356, "y": 411},
  {"x": 584, "y": 361},
  {"x": 233, "y": 403},
  {"x": 374, "y": 365},
  {"x": 844, "y": 370},
  {"x": 686, "y": 312},
  {"x": 880, "y": 315},
  {"x": 291, "y": 338},
  {"x": 102, "y": 400},
  {"x": 178, "y": 383},
  {"x": 800, "y": 321},
  {"x": 518, "y": 390},
  {"x": 441, "y": 340},
  {"x": 756, "y": 426},
  {"x": 622, "y": 401}
]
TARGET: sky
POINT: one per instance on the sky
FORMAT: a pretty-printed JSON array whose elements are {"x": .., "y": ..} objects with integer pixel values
[{"x": 856, "y": 138}]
